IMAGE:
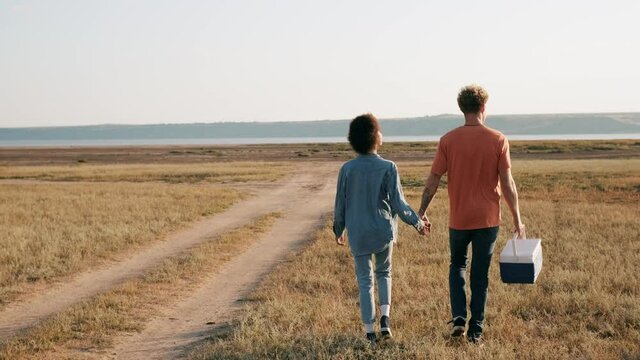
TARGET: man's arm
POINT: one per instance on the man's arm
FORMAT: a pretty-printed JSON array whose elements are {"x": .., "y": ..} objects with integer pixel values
[
  {"x": 508, "y": 186},
  {"x": 428, "y": 193}
]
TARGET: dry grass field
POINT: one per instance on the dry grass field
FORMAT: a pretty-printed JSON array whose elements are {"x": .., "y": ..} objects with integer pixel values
[
  {"x": 50, "y": 230},
  {"x": 584, "y": 305},
  {"x": 547, "y": 149},
  {"x": 90, "y": 327},
  {"x": 581, "y": 198},
  {"x": 225, "y": 172},
  {"x": 601, "y": 180}
]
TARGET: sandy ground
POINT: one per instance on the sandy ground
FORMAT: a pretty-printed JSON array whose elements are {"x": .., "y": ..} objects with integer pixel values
[
  {"x": 309, "y": 184},
  {"x": 218, "y": 300}
]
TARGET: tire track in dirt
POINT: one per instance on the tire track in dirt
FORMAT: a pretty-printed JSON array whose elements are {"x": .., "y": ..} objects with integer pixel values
[
  {"x": 20, "y": 316},
  {"x": 218, "y": 300}
]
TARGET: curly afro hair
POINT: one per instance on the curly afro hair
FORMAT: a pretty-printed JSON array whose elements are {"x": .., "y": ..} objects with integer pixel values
[{"x": 364, "y": 133}]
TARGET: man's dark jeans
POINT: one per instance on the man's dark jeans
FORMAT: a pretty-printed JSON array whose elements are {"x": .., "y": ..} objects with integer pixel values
[{"x": 482, "y": 244}]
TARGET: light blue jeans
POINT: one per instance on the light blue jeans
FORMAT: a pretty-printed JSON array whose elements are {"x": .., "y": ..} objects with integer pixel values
[{"x": 364, "y": 276}]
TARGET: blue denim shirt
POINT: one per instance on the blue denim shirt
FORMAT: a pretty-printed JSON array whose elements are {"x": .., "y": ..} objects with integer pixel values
[{"x": 369, "y": 199}]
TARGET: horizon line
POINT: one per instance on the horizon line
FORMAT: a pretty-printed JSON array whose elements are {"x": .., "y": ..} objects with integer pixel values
[{"x": 315, "y": 120}]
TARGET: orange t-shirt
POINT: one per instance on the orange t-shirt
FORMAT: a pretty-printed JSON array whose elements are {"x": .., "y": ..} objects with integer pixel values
[{"x": 472, "y": 156}]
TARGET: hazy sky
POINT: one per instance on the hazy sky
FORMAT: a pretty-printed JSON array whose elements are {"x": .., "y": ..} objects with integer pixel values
[{"x": 89, "y": 62}]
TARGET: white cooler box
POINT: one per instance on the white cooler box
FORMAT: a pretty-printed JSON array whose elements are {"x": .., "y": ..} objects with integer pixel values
[{"x": 521, "y": 261}]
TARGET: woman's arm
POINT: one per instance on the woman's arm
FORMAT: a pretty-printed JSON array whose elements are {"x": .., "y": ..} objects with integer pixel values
[
  {"x": 339, "y": 209},
  {"x": 399, "y": 204}
]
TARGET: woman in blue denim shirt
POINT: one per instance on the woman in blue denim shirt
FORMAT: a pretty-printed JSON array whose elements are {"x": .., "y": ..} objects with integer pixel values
[{"x": 369, "y": 199}]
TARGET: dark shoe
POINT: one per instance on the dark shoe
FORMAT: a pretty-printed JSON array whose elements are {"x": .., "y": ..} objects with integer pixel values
[
  {"x": 372, "y": 338},
  {"x": 476, "y": 339},
  {"x": 459, "y": 324},
  {"x": 385, "y": 327}
]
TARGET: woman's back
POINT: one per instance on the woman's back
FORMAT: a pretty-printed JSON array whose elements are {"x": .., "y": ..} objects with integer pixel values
[{"x": 370, "y": 195}]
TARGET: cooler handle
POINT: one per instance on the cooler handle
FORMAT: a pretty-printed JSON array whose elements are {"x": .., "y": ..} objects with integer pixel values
[{"x": 513, "y": 243}]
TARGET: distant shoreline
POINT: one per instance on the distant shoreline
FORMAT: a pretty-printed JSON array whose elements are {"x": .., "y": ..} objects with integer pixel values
[{"x": 283, "y": 140}]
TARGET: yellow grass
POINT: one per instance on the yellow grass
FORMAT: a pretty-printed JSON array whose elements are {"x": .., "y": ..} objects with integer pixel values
[
  {"x": 568, "y": 180},
  {"x": 90, "y": 327},
  {"x": 221, "y": 172},
  {"x": 585, "y": 304},
  {"x": 51, "y": 230}
]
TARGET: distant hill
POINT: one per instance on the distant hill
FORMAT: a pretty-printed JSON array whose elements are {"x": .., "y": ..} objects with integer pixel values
[{"x": 618, "y": 123}]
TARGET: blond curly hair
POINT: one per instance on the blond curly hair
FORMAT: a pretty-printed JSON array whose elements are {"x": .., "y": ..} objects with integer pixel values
[{"x": 471, "y": 98}]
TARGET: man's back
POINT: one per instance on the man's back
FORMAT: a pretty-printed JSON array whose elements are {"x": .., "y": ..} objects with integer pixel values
[
  {"x": 477, "y": 160},
  {"x": 472, "y": 157}
]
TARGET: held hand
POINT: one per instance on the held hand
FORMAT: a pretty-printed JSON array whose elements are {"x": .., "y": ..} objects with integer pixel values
[
  {"x": 427, "y": 223},
  {"x": 340, "y": 240},
  {"x": 520, "y": 232},
  {"x": 426, "y": 228},
  {"x": 422, "y": 214}
]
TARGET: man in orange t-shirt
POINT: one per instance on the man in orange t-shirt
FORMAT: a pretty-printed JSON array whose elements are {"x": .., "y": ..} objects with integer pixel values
[{"x": 478, "y": 165}]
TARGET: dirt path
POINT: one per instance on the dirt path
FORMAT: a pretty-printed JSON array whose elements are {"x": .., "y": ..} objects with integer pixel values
[
  {"x": 217, "y": 301},
  {"x": 23, "y": 315}
]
